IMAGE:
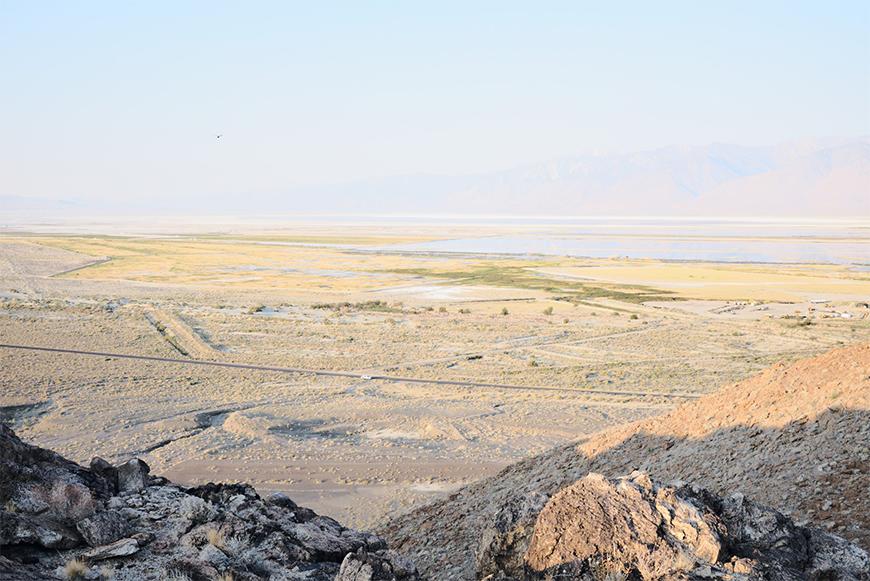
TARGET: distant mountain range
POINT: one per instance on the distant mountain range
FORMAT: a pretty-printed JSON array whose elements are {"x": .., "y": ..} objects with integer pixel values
[
  {"x": 818, "y": 178},
  {"x": 822, "y": 178}
]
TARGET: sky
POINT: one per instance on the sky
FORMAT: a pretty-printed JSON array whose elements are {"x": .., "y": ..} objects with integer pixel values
[{"x": 123, "y": 100}]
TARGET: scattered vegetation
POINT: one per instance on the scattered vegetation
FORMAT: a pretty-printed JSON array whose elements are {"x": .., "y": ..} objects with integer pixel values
[
  {"x": 256, "y": 309},
  {"x": 633, "y": 317},
  {"x": 464, "y": 311},
  {"x": 378, "y": 306},
  {"x": 548, "y": 311},
  {"x": 442, "y": 309},
  {"x": 505, "y": 312}
]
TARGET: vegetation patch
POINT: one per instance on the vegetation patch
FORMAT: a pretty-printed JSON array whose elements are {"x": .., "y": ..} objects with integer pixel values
[{"x": 512, "y": 276}]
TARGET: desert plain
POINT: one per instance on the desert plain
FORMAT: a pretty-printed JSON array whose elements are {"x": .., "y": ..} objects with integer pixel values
[{"x": 536, "y": 349}]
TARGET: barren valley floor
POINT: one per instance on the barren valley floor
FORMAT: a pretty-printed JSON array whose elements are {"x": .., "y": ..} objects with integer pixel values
[{"x": 361, "y": 449}]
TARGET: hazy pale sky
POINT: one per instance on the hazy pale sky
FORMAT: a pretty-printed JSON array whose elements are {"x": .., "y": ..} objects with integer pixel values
[{"x": 124, "y": 99}]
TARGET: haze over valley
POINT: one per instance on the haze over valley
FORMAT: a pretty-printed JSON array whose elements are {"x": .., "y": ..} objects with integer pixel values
[{"x": 451, "y": 292}]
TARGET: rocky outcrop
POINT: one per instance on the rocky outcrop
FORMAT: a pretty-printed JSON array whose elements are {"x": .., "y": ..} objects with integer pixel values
[
  {"x": 631, "y": 528},
  {"x": 61, "y": 520}
]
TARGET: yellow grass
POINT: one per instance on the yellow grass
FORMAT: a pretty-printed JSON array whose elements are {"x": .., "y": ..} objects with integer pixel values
[
  {"x": 255, "y": 262},
  {"x": 727, "y": 281}
]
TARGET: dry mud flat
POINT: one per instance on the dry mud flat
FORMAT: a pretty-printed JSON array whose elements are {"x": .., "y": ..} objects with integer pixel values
[{"x": 352, "y": 448}]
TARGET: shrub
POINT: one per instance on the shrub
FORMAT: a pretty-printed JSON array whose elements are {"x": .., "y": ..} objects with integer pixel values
[
  {"x": 442, "y": 309},
  {"x": 633, "y": 317},
  {"x": 232, "y": 546},
  {"x": 256, "y": 309},
  {"x": 75, "y": 569},
  {"x": 464, "y": 311},
  {"x": 504, "y": 311},
  {"x": 196, "y": 510},
  {"x": 548, "y": 311}
]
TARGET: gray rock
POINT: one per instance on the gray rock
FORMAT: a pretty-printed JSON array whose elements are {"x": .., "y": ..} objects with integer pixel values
[
  {"x": 120, "y": 548},
  {"x": 381, "y": 566},
  {"x": 282, "y": 500},
  {"x": 503, "y": 544},
  {"x": 213, "y": 556},
  {"x": 18, "y": 529},
  {"x": 106, "y": 470},
  {"x": 133, "y": 475},
  {"x": 103, "y": 528},
  {"x": 160, "y": 529}
]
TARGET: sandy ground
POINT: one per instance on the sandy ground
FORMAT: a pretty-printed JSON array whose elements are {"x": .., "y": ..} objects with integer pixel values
[{"x": 357, "y": 449}]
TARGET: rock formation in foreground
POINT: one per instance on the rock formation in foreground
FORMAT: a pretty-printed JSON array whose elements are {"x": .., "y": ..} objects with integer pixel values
[
  {"x": 631, "y": 529},
  {"x": 60, "y": 520}
]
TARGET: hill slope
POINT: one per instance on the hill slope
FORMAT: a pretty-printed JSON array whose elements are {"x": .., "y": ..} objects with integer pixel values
[{"x": 794, "y": 437}]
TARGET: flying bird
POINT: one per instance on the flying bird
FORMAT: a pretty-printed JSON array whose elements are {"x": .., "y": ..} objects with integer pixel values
[{"x": 220, "y": 135}]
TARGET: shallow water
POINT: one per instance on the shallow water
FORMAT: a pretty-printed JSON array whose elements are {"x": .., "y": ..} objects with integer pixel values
[{"x": 672, "y": 240}]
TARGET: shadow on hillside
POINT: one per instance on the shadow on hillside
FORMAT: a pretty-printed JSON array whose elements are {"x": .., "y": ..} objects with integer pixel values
[{"x": 816, "y": 470}]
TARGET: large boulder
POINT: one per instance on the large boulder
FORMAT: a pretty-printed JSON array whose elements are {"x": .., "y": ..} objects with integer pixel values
[
  {"x": 632, "y": 528},
  {"x": 103, "y": 528},
  {"x": 132, "y": 475}
]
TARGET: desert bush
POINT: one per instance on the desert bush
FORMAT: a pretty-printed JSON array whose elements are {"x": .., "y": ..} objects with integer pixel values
[
  {"x": 215, "y": 537},
  {"x": 256, "y": 309},
  {"x": 464, "y": 311},
  {"x": 232, "y": 545},
  {"x": 504, "y": 311},
  {"x": 548, "y": 311},
  {"x": 633, "y": 317},
  {"x": 75, "y": 569},
  {"x": 442, "y": 309},
  {"x": 196, "y": 510}
]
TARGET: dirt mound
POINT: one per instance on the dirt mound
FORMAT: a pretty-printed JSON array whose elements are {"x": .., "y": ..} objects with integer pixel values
[{"x": 795, "y": 437}]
